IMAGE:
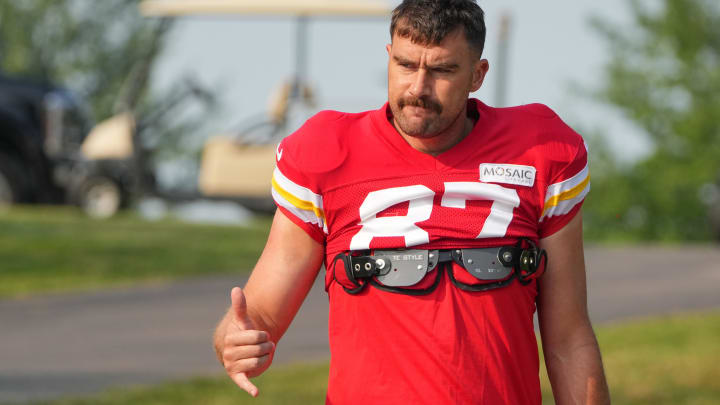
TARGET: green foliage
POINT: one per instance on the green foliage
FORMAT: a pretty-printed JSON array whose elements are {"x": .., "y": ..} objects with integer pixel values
[
  {"x": 669, "y": 360},
  {"x": 54, "y": 249},
  {"x": 104, "y": 52},
  {"x": 664, "y": 74},
  {"x": 91, "y": 47}
]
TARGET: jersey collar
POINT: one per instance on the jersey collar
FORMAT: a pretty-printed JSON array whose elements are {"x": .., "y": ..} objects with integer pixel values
[{"x": 465, "y": 148}]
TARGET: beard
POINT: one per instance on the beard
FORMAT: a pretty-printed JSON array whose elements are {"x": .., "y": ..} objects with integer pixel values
[{"x": 421, "y": 127}]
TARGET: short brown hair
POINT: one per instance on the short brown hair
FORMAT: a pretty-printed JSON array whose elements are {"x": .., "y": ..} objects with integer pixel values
[{"x": 430, "y": 21}]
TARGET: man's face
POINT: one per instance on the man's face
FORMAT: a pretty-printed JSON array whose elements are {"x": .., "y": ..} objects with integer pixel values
[{"x": 428, "y": 85}]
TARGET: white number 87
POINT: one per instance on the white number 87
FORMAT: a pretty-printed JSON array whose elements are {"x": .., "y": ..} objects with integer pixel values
[{"x": 420, "y": 204}]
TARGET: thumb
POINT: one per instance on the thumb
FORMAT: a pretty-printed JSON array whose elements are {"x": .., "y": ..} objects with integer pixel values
[
  {"x": 239, "y": 308},
  {"x": 243, "y": 382}
]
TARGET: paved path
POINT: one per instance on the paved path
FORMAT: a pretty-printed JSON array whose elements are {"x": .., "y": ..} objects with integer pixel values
[{"x": 83, "y": 343}]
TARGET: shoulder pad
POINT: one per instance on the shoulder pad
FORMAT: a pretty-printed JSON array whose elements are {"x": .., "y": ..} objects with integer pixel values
[
  {"x": 540, "y": 110},
  {"x": 316, "y": 147}
]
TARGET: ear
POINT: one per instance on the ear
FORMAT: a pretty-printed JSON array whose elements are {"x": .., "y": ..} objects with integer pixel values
[
  {"x": 480, "y": 69},
  {"x": 388, "y": 48}
]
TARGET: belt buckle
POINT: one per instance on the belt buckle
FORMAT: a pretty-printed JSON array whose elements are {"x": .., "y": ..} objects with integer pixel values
[{"x": 403, "y": 268}]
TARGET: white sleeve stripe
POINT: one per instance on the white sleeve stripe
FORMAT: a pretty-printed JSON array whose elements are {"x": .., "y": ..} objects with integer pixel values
[
  {"x": 569, "y": 184},
  {"x": 565, "y": 206},
  {"x": 303, "y": 215},
  {"x": 299, "y": 192}
]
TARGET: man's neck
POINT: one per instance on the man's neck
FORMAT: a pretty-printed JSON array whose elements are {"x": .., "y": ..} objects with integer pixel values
[{"x": 443, "y": 141}]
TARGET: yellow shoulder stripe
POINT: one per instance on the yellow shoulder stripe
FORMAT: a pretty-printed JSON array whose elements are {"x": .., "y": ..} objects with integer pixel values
[
  {"x": 566, "y": 195},
  {"x": 301, "y": 204}
]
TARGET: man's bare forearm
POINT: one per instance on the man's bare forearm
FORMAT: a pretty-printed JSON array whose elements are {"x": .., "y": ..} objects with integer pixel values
[
  {"x": 571, "y": 351},
  {"x": 576, "y": 371},
  {"x": 279, "y": 282}
]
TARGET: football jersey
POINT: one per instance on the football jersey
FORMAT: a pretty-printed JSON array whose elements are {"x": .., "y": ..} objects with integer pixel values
[{"x": 353, "y": 183}]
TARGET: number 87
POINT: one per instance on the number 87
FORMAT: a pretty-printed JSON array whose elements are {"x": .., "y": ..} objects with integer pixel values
[{"x": 420, "y": 205}]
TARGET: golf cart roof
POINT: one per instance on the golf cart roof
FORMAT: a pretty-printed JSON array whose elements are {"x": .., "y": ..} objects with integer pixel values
[{"x": 338, "y": 8}]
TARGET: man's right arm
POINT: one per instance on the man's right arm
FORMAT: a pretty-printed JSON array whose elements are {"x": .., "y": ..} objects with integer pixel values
[{"x": 261, "y": 312}]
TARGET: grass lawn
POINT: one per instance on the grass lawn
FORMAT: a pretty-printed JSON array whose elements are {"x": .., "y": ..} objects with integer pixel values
[
  {"x": 58, "y": 248},
  {"x": 296, "y": 385},
  {"x": 671, "y": 360}
]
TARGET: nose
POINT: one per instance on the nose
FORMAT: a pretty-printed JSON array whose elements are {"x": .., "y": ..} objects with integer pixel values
[{"x": 421, "y": 83}]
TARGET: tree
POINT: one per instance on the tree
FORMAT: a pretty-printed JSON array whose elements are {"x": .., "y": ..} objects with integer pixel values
[
  {"x": 90, "y": 47},
  {"x": 664, "y": 74},
  {"x": 103, "y": 51}
]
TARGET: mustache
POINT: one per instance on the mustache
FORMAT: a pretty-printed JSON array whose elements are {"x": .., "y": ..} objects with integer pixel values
[{"x": 422, "y": 102}]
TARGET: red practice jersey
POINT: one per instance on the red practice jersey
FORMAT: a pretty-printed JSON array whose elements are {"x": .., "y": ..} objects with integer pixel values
[{"x": 353, "y": 183}]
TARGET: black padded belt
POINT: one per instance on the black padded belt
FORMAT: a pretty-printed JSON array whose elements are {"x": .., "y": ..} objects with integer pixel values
[{"x": 396, "y": 270}]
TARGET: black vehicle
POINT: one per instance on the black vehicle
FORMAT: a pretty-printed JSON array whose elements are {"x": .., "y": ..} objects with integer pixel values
[{"x": 42, "y": 130}]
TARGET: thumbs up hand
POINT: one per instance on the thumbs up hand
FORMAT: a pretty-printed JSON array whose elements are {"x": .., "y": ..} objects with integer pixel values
[{"x": 246, "y": 352}]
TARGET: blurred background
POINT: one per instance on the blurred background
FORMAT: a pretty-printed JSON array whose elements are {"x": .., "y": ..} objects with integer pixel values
[{"x": 136, "y": 147}]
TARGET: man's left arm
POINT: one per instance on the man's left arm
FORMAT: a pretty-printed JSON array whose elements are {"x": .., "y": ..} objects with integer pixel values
[{"x": 572, "y": 356}]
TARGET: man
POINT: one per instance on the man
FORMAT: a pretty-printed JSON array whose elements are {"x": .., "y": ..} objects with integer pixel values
[{"x": 469, "y": 190}]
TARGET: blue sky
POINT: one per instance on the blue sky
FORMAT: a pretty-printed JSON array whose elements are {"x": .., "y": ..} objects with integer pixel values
[{"x": 552, "y": 49}]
